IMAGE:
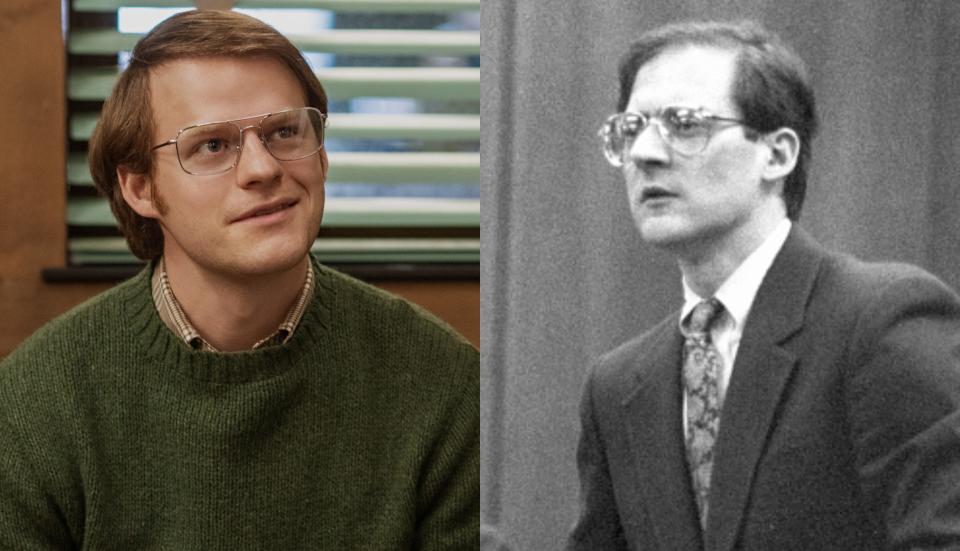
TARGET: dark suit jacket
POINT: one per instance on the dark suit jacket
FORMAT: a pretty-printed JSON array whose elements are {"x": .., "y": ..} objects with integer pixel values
[{"x": 839, "y": 429}]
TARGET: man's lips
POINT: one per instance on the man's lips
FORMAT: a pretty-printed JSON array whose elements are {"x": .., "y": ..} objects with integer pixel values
[
  {"x": 652, "y": 193},
  {"x": 266, "y": 209}
]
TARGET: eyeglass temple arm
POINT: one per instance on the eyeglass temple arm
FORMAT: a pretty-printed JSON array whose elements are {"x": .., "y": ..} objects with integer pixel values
[
  {"x": 726, "y": 119},
  {"x": 164, "y": 144}
]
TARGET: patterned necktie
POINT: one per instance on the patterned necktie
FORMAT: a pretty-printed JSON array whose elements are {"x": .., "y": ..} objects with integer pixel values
[{"x": 701, "y": 367}]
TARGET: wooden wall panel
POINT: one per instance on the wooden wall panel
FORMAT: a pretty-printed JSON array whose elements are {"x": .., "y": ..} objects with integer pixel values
[
  {"x": 32, "y": 153},
  {"x": 455, "y": 302}
]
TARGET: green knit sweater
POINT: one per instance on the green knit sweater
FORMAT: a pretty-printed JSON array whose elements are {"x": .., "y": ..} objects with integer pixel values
[{"x": 361, "y": 432}]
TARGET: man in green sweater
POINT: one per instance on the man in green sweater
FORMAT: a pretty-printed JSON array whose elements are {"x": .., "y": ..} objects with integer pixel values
[{"x": 236, "y": 394}]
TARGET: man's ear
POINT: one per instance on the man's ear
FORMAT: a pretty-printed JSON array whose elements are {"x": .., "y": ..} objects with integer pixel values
[
  {"x": 784, "y": 150},
  {"x": 137, "y": 191},
  {"x": 324, "y": 163}
]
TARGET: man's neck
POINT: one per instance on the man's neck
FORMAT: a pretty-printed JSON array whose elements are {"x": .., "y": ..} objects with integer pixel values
[
  {"x": 706, "y": 265},
  {"x": 233, "y": 312}
]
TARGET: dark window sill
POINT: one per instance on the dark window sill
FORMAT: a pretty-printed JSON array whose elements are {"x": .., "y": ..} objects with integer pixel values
[{"x": 365, "y": 272}]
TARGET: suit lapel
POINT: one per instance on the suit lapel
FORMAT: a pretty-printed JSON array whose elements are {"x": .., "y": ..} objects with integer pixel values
[
  {"x": 762, "y": 370},
  {"x": 653, "y": 416}
]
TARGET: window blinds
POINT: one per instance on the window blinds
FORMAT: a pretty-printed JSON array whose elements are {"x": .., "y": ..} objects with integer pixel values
[{"x": 403, "y": 81}]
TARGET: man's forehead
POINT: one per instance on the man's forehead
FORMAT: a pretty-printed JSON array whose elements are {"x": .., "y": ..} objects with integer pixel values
[
  {"x": 189, "y": 91},
  {"x": 688, "y": 75}
]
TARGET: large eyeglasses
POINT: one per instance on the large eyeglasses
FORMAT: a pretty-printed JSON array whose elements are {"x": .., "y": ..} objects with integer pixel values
[
  {"x": 686, "y": 130},
  {"x": 214, "y": 148}
]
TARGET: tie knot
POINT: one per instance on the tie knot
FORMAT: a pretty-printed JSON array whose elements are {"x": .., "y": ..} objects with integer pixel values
[{"x": 704, "y": 315}]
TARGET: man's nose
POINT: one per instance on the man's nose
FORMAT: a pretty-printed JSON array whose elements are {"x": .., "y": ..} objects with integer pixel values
[
  {"x": 649, "y": 147},
  {"x": 256, "y": 164}
]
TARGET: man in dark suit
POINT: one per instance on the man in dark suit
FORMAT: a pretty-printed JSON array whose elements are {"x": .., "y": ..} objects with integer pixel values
[{"x": 800, "y": 399}]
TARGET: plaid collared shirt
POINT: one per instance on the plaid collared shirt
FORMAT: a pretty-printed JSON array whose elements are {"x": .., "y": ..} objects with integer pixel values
[{"x": 172, "y": 315}]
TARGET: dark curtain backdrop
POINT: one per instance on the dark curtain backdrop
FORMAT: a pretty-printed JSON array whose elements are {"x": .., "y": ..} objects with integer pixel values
[{"x": 564, "y": 275}]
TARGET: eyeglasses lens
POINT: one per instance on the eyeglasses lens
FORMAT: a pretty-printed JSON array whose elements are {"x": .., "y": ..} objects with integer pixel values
[
  {"x": 292, "y": 135},
  {"x": 208, "y": 148},
  {"x": 614, "y": 142}
]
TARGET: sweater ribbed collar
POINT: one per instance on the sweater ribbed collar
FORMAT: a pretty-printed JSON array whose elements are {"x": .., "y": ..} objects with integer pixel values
[{"x": 159, "y": 344}]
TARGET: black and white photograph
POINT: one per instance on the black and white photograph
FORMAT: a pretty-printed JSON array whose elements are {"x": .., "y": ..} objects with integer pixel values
[{"x": 720, "y": 259}]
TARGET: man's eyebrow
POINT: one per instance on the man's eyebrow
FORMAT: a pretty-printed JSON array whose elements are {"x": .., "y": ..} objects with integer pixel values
[
  {"x": 237, "y": 119},
  {"x": 663, "y": 108}
]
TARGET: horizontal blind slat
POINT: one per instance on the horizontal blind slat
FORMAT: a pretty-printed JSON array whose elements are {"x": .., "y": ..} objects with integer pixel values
[
  {"x": 340, "y": 212},
  {"x": 374, "y": 168},
  {"x": 356, "y": 126},
  {"x": 114, "y": 250},
  {"x": 366, "y": 6},
  {"x": 463, "y": 244},
  {"x": 328, "y": 257},
  {"x": 400, "y": 168},
  {"x": 457, "y": 83},
  {"x": 363, "y": 42}
]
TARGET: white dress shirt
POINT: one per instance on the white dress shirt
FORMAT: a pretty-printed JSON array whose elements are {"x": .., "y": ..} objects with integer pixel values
[{"x": 736, "y": 294}]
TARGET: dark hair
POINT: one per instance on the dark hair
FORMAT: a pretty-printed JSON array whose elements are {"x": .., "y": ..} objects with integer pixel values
[
  {"x": 771, "y": 87},
  {"x": 123, "y": 134}
]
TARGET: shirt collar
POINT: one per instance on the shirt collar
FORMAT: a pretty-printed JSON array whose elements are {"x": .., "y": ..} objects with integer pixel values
[
  {"x": 740, "y": 288},
  {"x": 173, "y": 316}
]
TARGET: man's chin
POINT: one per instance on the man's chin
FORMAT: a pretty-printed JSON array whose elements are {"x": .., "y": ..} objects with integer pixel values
[
  {"x": 275, "y": 260},
  {"x": 662, "y": 234}
]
